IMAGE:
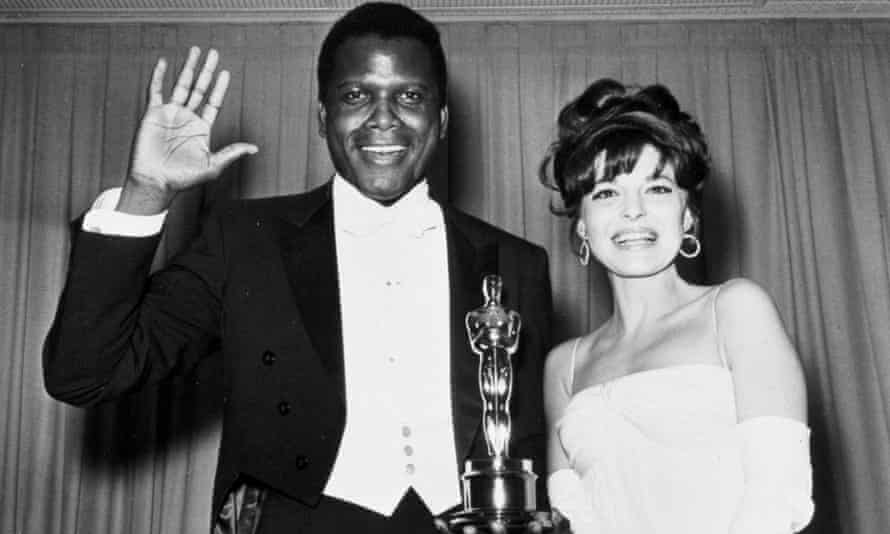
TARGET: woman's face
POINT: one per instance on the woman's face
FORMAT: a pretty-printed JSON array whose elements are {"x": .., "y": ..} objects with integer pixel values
[{"x": 634, "y": 224}]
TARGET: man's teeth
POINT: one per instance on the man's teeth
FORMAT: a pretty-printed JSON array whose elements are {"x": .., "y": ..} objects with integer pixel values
[{"x": 384, "y": 149}]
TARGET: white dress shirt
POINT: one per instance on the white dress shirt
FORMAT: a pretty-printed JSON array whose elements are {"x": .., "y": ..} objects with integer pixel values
[
  {"x": 102, "y": 218},
  {"x": 394, "y": 303}
]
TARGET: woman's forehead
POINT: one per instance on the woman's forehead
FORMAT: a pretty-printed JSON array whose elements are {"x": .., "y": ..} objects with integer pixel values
[{"x": 648, "y": 163}]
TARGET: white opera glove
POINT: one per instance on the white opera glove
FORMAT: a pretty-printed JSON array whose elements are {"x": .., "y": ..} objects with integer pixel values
[
  {"x": 567, "y": 494},
  {"x": 777, "y": 496}
]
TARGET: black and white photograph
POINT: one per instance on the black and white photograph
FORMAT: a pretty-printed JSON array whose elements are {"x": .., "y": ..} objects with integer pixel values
[{"x": 445, "y": 267}]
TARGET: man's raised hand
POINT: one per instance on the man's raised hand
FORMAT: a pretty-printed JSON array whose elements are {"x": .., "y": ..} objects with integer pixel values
[{"x": 172, "y": 151}]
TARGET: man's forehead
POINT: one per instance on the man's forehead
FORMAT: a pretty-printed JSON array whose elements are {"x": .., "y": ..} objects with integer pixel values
[
  {"x": 371, "y": 56},
  {"x": 395, "y": 48}
]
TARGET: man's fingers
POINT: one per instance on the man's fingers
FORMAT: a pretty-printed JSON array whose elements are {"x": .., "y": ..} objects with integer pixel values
[
  {"x": 211, "y": 108},
  {"x": 221, "y": 159},
  {"x": 184, "y": 83},
  {"x": 203, "y": 82},
  {"x": 155, "y": 98}
]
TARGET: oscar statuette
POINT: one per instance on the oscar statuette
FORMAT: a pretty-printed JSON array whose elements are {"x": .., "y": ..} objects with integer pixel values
[{"x": 498, "y": 491}]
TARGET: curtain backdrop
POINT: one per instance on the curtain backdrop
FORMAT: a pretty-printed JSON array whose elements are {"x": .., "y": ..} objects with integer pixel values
[{"x": 798, "y": 117}]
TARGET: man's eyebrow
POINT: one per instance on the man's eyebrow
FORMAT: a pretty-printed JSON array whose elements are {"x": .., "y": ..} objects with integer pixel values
[
  {"x": 419, "y": 84},
  {"x": 347, "y": 83}
]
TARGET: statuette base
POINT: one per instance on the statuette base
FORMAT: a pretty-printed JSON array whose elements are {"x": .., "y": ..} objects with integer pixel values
[{"x": 498, "y": 496}]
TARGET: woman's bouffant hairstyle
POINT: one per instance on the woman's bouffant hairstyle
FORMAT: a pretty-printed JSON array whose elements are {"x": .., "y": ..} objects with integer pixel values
[{"x": 620, "y": 120}]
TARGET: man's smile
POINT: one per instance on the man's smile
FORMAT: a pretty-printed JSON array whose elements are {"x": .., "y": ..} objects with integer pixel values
[{"x": 383, "y": 154}]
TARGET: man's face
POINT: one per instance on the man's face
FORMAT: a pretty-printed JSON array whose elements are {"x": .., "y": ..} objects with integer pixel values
[{"x": 381, "y": 114}]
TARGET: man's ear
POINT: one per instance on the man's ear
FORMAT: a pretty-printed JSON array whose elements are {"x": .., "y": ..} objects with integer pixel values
[
  {"x": 322, "y": 117},
  {"x": 443, "y": 122}
]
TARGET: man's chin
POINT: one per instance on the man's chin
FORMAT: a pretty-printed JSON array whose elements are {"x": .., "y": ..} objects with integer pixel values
[
  {"x": 390, "y": 199},
  {"x": 387, "y": 192}
]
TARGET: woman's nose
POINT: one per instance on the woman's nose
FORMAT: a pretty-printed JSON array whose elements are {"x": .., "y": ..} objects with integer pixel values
[{"x": 633, "y": 207}]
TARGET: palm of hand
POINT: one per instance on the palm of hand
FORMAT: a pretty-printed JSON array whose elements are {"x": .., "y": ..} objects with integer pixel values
[{"x": 172, "y": 148}]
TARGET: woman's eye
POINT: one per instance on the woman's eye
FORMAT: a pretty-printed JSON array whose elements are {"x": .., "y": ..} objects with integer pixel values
[
  {"x": 603, "y": 194},
  {"x": 661, "y": 189}
]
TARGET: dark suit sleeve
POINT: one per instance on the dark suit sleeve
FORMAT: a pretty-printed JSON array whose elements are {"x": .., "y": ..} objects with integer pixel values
[
  {"x": 543, "y": 318},
  {"x": 535, "y": 300},
  {"x": 118, "y": 329}
]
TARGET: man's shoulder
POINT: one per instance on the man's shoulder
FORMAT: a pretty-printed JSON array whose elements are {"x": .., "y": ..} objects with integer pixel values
[
  {"x": 280, "y": 205},
  {"x": 476, "y": 227}
]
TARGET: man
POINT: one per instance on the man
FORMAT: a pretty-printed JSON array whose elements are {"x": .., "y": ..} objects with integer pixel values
[{"x": 352, "y": 393}]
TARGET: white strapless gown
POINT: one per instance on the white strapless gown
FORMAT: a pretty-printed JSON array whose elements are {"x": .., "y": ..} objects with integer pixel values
[{"x": 656, "y": 451}]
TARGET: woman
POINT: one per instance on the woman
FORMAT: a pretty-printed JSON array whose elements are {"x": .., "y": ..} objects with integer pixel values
[{"x": 685, "y": 411}]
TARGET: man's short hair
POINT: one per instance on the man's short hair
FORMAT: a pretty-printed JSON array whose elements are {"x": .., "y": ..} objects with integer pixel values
[{"x": 388, "y": 21}]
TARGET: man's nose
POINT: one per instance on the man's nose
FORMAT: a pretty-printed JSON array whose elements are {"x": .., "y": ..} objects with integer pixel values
[{"x": 383, "y": 117}]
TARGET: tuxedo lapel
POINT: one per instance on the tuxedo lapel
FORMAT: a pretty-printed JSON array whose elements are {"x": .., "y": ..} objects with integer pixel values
[
  {"x": 468, "y": 262},
  {"x": 310, "y": 258}
]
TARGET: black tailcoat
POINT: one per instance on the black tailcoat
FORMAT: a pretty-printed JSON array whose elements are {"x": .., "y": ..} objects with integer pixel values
[{"x": 259, "y": 286}]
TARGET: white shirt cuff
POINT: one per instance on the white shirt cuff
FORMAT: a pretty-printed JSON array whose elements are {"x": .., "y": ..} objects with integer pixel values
[{"x": 104, "y": 219}]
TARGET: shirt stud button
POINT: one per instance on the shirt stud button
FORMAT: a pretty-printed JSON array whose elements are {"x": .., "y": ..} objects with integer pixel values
[{"x": 302, "y": 462}]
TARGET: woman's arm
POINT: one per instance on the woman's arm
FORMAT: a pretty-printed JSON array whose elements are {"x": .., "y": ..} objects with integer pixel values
[
  {"x": 556, "y": 397},
  {"x": 766, "y": 370},
  {"x": 567, "y": 495},
  {"x": 771, "y": 408}
]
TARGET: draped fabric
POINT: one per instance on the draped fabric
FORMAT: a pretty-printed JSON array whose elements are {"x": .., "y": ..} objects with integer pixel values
[{"x": 798, "y": 117}]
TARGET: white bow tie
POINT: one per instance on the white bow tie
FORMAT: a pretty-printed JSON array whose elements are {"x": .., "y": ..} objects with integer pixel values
[{"x": 413, "y": 214}]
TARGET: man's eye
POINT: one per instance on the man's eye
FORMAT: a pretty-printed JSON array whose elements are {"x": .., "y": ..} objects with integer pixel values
[
  {"x": 411, "y": 97},
  {"x": 353, "y": 96}
]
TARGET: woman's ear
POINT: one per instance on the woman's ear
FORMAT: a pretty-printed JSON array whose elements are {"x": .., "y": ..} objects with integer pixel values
[
  {"x": 688, "y": 220},
  {"x": 581, "y": 229}
]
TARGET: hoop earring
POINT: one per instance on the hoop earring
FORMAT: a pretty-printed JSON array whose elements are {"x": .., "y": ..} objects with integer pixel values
[
  {"x": 584, "y": 253},
  {"x": 696, "y": 248}
]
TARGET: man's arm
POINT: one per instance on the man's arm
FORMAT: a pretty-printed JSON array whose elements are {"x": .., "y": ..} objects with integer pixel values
[{"x": 116, "y": 329}]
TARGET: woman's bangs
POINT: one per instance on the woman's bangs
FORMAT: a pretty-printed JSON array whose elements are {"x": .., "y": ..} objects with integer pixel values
[{"x": 623, "y": 149}]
